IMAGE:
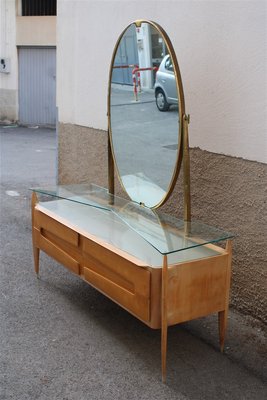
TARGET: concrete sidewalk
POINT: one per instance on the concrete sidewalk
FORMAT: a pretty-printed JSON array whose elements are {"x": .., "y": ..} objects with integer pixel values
[{"x": 61, "y": 339}]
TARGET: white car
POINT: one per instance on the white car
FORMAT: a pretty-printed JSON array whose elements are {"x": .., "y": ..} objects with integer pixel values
[{"x": 165, "y": 85}]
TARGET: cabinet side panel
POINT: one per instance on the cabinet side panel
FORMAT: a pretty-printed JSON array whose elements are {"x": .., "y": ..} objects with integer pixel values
[
  {"x": 155, "y": 303},
  {"x": 197, "y": 288}
]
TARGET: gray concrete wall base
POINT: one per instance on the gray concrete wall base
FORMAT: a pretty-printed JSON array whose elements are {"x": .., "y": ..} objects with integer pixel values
[{"x": 8, "y": 105}]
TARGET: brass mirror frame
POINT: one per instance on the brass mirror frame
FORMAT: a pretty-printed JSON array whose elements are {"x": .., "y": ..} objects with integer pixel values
[{"x": 183, "y": 148}]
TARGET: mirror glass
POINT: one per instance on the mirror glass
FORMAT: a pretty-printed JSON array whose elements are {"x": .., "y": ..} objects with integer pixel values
[{"x": 144, "y": 128}]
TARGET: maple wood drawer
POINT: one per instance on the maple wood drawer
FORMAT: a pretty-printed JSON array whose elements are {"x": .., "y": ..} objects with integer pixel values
[
  {"x": 56, "y": 252},
  {"x": 120, "y": 279},
  {"x": 46, "y": 223}
]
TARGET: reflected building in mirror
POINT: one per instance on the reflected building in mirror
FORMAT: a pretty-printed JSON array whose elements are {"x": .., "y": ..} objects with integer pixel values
[{"x": 140, "y": 48}]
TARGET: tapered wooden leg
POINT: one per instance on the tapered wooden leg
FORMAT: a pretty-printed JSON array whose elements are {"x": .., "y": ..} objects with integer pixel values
[
  {"x": 164, "y": 322},
  {"x": 222, "y": 320},
  {"x": 36, "y": 253},
  {"x": 223, "y": 315},
  {"x": 36, "y": 250},
  {"x": 164, "y": 332}
]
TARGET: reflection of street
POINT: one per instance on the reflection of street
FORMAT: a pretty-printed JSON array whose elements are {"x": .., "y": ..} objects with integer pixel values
[{"x": 145, "y": 140}]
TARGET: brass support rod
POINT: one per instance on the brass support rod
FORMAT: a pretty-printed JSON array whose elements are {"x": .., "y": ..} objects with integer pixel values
[
  {"x": 164, "y": 317},
  {"x": 186, "y": 169},
  {"x": 110, "y": 168},
  {"x": 223, "y": 315}
]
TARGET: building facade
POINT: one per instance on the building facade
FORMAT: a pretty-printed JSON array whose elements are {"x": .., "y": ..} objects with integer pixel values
[{"x": 28, "y": 48}]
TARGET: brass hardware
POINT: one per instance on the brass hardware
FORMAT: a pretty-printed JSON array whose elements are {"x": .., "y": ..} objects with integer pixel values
[
  {"x": 164, "y": 317},
  {"x": 187, "y": 118},
  {"x": 138, "y": 23},
  {"x": 111, "y": 185},
  {"x": 186, "y": 169}
]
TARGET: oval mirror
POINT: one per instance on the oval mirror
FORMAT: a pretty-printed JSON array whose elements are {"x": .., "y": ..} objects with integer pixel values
[{"x": 145, "y": 109}]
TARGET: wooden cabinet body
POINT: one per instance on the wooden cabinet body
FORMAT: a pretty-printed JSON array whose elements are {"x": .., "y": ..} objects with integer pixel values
[{"x": 195, "y": 288}]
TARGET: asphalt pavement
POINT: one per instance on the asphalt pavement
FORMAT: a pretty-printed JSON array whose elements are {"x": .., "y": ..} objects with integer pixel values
[{"x": 61, "y": 339}]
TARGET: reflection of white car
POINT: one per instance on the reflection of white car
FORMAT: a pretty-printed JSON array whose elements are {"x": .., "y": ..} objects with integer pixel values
[{"x": 165, "y": 85}]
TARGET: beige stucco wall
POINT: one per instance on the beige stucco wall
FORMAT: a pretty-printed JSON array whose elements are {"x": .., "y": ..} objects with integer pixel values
[
  {"x": 36, "y": 31},
  {"x": 227, "y": 192},
  {"x": 221, "y": 48}
]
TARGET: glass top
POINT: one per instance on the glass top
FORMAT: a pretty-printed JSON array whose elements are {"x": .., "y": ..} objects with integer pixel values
[{"x": 165, "y": 233}]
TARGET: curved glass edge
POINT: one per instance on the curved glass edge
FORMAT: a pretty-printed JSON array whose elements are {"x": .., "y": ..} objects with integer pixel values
[
  {"x": 167, "y": 234},
  {"x": 87, "y": 194}
]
